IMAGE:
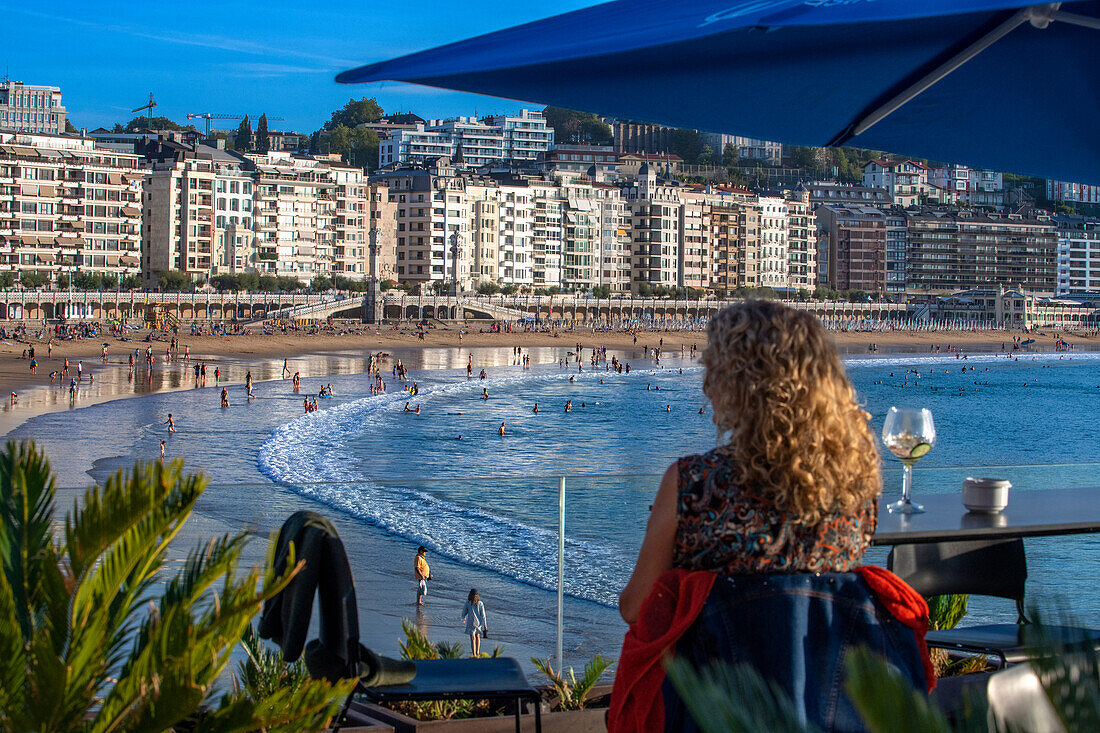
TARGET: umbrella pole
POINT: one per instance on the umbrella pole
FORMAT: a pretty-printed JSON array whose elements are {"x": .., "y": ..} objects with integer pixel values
[{"x": 1035, "y": 15}]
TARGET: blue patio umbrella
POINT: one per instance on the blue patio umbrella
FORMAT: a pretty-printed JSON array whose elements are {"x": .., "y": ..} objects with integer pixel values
[{"x": 989, "y": 83}]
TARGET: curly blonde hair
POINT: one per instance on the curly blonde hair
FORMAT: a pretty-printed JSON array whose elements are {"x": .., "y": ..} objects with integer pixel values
[{"x": 780, "y": 393}]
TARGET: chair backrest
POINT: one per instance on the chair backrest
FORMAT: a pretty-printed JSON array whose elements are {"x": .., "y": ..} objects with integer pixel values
[
  {"x": 978, "y": 567},
  {"x": 1017, "y": 702}
]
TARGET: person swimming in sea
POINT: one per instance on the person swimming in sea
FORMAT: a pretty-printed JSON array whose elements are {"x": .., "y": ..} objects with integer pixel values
[
  {"x": 536, "y": 410},
  {"x": 406, "y": 408},
  {"x": 484, "y": 394},
  {"x": 569, "y": 405},
  {"x": 500, "y": 430}
]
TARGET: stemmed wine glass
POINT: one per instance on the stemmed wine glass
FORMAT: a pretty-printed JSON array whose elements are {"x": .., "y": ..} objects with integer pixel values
[{"x": 909, "y": 433}]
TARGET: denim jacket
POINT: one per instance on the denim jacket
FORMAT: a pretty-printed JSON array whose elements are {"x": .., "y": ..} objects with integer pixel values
[{"x": 795, "y": 631}]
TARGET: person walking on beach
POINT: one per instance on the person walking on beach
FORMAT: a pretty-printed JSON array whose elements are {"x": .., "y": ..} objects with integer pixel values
[
  {"x": 473, "y": 615},
  {"x": 286, "y": 369},
  {"x": 162, "y": 451},
  {"x": 423, "y": 574}
]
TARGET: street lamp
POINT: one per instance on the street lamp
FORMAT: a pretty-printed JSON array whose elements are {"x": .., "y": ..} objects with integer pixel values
[
  {"x": 456, "y": 250},
  {"x": 373, "y": 286}
]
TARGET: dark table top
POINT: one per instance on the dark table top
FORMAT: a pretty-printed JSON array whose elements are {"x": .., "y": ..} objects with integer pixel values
[{"x": 1028, "y": 514}]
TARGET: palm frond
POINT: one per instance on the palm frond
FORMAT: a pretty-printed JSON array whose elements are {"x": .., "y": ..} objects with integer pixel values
[
  {"x": 593, "y": 670},
  {"x": 89, "y": 643},
  {"x": 27, "y": 551}
]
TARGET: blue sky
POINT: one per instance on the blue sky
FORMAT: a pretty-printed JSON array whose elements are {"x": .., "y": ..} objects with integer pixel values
[{"x": 274, "y": 57}]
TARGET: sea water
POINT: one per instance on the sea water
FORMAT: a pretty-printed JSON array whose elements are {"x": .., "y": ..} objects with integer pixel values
[{"x": 446, "y": 479}]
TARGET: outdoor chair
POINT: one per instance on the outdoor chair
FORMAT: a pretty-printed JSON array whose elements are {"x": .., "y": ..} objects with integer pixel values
[
  {"x": 337, "y": 653},
  {"x": 995, "y": 568}
]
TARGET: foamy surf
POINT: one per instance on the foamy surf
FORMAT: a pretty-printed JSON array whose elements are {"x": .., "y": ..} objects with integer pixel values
[{"x": 308, "y": 455}]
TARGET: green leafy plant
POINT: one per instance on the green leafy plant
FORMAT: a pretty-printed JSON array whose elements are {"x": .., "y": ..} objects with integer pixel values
[
  {"x": 94, "y": 637},
  {"x": 573, "y": 693},
  {"x": 417, "y": 645},
  {"x": 945, "y": 612},
  {"x": 264, "y": 671}
]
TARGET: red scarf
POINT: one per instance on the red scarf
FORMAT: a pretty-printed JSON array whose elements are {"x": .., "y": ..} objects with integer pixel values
[
  {"x": 904, "y": 604},
  {"x": 667, "y": 613}
]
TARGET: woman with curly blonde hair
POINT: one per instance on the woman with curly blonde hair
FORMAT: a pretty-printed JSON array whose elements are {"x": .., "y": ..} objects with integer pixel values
[{"x": 753, "y": 549}]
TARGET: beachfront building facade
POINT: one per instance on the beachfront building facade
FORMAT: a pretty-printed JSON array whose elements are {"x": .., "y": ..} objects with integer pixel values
[
  {"x": 1078, "y": 255},
  {"x": 695, "y": 266},
  {"x": 1011, "y": 308},
  {"x": 295, "y": 216},
  {"x": 735, "y": 227},
  {"x": 32, "y": 109},
  {"x": 209, "y": 211},
  {"x": 774, "y": 253},
  {"x": 801, "y": 241},
  {"x": 964, "y": 249},
  {"x": 655, "y": 210},
  {"x": 855, "y": 237},
  {"x": 68, "y": 208}
]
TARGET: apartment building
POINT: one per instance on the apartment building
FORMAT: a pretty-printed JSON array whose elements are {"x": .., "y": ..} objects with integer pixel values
[
  {"x": 33, "y": 109},
  {"x": 655, "y": 210},
  {"x": 516, "y": 251},
  {"x": 1078, "y": 255},
  {"x": 295, "y": 216},
  {"x": 906, "y": 181},
  {"x": 774, "y": 252},
  {"x": 1072, "y": 192},
  {"x": 856, "y": 237},
  {"x": 68, "y": 207},
  {"x": 433, "y": 216},
  {"x": 526, "y": 135},
  {"x": 801, "y": 241},
  {"x": 950, "y": 251},
  {"x": 955, "y": 183},
  {"x": 599, "y": 162},
  {"x": 615, "y": 239},
  {"x": 828, "y": 192},
  {"x": 735, "y": 245},
  {"x": 897, "y": 249},
  {"x": 694, "y": 263},
  {"x": 549, "y": 234},
  {"x": 467, "y": 141}
]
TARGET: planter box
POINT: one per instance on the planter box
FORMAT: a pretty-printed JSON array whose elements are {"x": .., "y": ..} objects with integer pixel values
[{"x": 562, "y": 721}]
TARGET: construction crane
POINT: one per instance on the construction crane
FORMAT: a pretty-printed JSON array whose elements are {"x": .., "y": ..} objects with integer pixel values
[
  {"x": 215, "y": 116},
  {"x": 152, "y": 103}
]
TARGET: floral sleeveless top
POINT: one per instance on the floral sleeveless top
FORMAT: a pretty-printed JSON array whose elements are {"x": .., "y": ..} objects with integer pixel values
[{"x": 726, "y": 528}]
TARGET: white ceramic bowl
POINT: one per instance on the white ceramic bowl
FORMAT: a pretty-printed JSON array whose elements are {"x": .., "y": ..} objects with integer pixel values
[{"x": 986, "y": 495}]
